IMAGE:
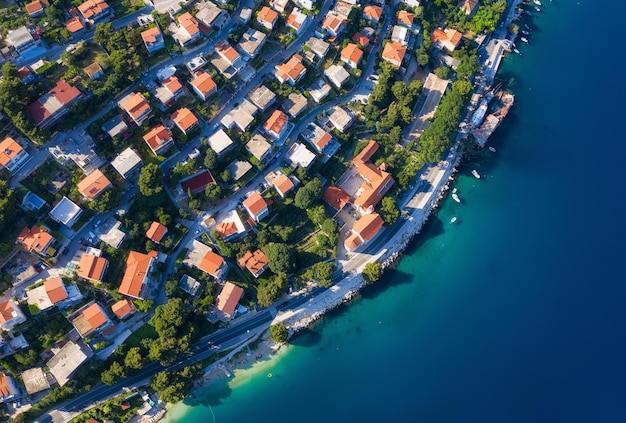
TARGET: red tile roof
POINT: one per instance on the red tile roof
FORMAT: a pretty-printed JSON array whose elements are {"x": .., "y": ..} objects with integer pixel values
[
  {"x": 336, "y": 197},
  {"x": 366, "y": 154},
  {"x": 255, "y": 203},
  {"x": 9, "y": 149},
  {"x": 276, "y": 122},
  {"x": 256, "y": 262},
  {"x": 363, "y": 230},
  {"x": 283, "y": 184},
  {"x": 35, "y": 239},
  {"x": 394, "y": 53},
  {"x": 198, "y": 182},
  {"x": 156, "y": 232},
  {"x": 229, "y": 298},
  {"x": 267, "y": 16},
  {"x": 158, "y": 136},
  {"x": 94, "y": 185},
  {"x": 351, "y": 54},
  {"x": 74, "y": 24},
  {"x": 136, "y": 105},
  {"x": 405, "y": 18},
  {"x": 55, "y": 290},
  {"x": 95, "y": 315},
  {"x": 211, "y": 263},
  {"x": 373, "y": 12},
  {"x": 137, "y": 266},
  {"x": 92, "y": 267},
  {"x": 150, "y": 36},
  {"x": 184, "y": 119},
  {"x": 92, "y": 8},
  {"x": 6, "y": 311},
  {"x": 172, "y": 84},
  {"x": 360, "y": 39},
  {"x": 5, "y": 387},
  {"x": 204, "y": 83},
  {"x": 189, "y": 23},
  {"x": 123, "y": 308},
  {"x": 291, "y": 69}
]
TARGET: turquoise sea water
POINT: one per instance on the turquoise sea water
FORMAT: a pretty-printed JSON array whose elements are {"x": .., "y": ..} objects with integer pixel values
[{"x": 516, "y": 312}]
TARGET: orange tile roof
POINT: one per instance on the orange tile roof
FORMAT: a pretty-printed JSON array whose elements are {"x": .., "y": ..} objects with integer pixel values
[
  {"x": 35, "y": 239},
  {"x": 6, "y": 311},
  {"x": 137, "y": 266},
  {"x": 55, "y": 290},
  {"x": 34, "y": 7},
  {"x": 227, "y": 51},
  {"x": 405, "y": 18},
  {"x": 204, "y": 83},
  {"x": 295, "y": 19},
  {"x": 92, "y": 8},
  {"x": 23, "y": 73},
  {"x": 283, "y": 184},
  {"x": 256, "y": 262},
  {"x": 172, "y": 84},
  {"x": 336, "y": 197},
  {"x": 74, "y": 24},
  {"x": 325, "y": 139},
  {"x": 9, "y": 149},
  {"x": 373, "y": 12},
  {"x": 211, "y": 263},
  {"x": 360, "y": 39},
  {"x": 229, "y": 298},
  {"x": 93, "y": 185},
  {"x": 351, "y": 53},
  {"x": 158, "y": 136},
  {"x": 189, "y": 23},
  {"x": 122, "y": 308},
  {"x": 255, "y": 203},
  {"x": 267, "y": 15},
  {"x": 92, "y": 267},
  {"x": 150, "y": 36},
  {"x": 334, "y": 23},
  {"x": 375, "y": 185},
  {"x": 276, "y": 122},
  {"x": 394, "y": 53},
  {"x": 366, "y": 154},
  {"x": 136, "y": 105},
  {"x": 184, "y": 119},
  {"x": 95, "y": 315},
  {"x": 467, "y": 6},
  {"x": 156, "y": 232},
  {"x": 5, "y": 388},
  {"x": 226, "y": 229},
  {"x": 291, "y": 69},
  {"x": 449, "y": 35},
  {"x": 363, "y": 230}
]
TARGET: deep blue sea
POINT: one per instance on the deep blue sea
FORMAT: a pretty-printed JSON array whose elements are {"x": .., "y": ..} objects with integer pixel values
[{"x": 516, "y": 312}]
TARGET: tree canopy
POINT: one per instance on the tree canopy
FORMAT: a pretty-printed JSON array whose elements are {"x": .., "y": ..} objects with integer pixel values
[
  {"x": 309, "y": 194},
  {"x": 279, "y": 333},
  {"x": 372, "y": 272},
  {"x": 389, "y": 211},
  {"x": 151, "y": 180},
  {"x": 281, "y": 257}
]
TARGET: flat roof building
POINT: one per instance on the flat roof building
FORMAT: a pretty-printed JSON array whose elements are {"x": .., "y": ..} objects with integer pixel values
[
  {"x": 65, "y": 212},
  {"x": 127, "y": 162}
]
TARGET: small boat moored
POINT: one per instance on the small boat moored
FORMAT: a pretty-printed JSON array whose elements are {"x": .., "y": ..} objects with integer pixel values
[
  {"x": 475, "y": 174},
  {"x": 453, "y": 219},
  {"x": 524, "y": 40},
  {"x": 455, "y": 197},
  {"x": 492, "y": 149},
  {"x": 516, "y": 51}
]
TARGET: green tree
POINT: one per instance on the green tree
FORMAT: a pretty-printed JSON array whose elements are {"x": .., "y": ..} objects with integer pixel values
[
  {"x": 442, "y": 72},
  {"x": 281, "y": 257},
  {"x": 279, "y": 333},
  {"x": 151, "y": 180},
  {"x": 270, "y": 291},
  {"x": 133, "y": 359},
  {"x": 389, "y": 211},
  {"x": 210, "y": 159},
  {"x": 309, "y": 194},
  {"x": 372, "y": 272},
  {"x": 317, "y": 214},
  {"x": 226, "y": 175},
  {"x": 331, "y": 229},
  {"x": 8, "y": 204},
  {"x": 213, "y": 192},
  {"x": 170, "y": 318}
]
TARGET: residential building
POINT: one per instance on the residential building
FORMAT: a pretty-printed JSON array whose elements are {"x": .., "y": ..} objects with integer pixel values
[
  {"x": 448, "y": 39},
  {"x": 468, "y": 6},
  {"x": 156, "y": 232},
  {"x": 319, "y": 90},
  {"x": 20, "y": 39},
  {"x": 55, "y": 290},
  {"x": 256, "y": 262},
  {"x": 203, "y": 85},
  {"x": 169, "y": 90},
  {"x": 210, "y": 15},
  {"x": 202, "y": 257},
  {"x": 137, "y": 108},
  {"x": 74, "y": 25},
  {"x": 393, "y": 53},
  {"x": 53, "y": 293},
  {"x": 127, "y": 163},
  {"x": 135, "y": 282},
  {"x": 65, "y": 212},
  {"x": 320, "y": 140},
  {"x": 372, "y": 13},
  {"x": 333, "y": 25},
  {"x": 256, "y": 206},
  {"x": 352, "y": 55},
  {"x": 35, "y": 8},
  {"x": 406, "y": 18},
  {"x": 375, "y": 181},
  {"x": 291, "y": 71},
  {"x": 276, "y": 124},
  {"x": 411, "y": 3},
  {"x": 228, "y": 299},
  {"x": 238, "y": 168},
  {"x": 185, "y": 120},
  {"x": 318, "y": 46},
  {"x": 36, "y": 240},
  {"x": 12, "y": 155},
  {"x": 10, "y": 315},
  {"x": 283, "y": 185},
  {"x": 363, "y": 230},
  {"x": 361, "y": 39},
  {"x": 94, "y": 185},
  {"x": 259, "y": 147},
  {"x": 267, "y": 17},
  {"x": 242, "y": 116},
  {"x": 336, "y": 198},
  {"x": 228, "y": 53},
  {"x": 337, "y": 75},
  {"x": 94, "y": 71},
  {"x": 262, "y": 97},
  {"x": 342, "y": 9},
  {"x": 294, "y": 104},
  {"x": 250, "y": 42},
  {"x": 197, "y": 182},
  {"x": 189, "y": 29},
  {"x": 159, "y": 139},
  {"x": 341, "y": 118},
  {"x": 51, "y": 106},
  {"x": 94, "y": 10},
  {"x": 305, "y": 4},
  {"x": 245, "y": 15},
  {"x": 90, "y": 319},
  {"x": 400, "y": 34},
  {"x": 220, "y": 142},
  {"x": 189, "y": 285},
  {"x": 279, "y": 5},
  {"x": 92, "y": 267},
  {"x": 296, "y": 20},
  {"x": 115, "y": 126},
  {"x": 123, "y": 309},
  {"x": 35, "y": 380},
  {"x": 299, "y": 155},
  {"x": 153, "y": 39},
  {"x": 67, "y": 360},
  {"x": 231, "y": 227},
  {"x": 25, "y": 75},
  {"x": 8, "y": 388}
]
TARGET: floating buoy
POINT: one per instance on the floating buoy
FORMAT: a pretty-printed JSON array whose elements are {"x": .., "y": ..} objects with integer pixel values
[{"x": 269, "y": 375}]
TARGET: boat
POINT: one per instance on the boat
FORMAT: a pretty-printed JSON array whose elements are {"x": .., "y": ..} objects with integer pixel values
[
  {"x": 475, "y": 174},
  {"x": 537, "y": 9},
  {"x": 492, "y": 149},
  {"x": 453, "y": 219},
  {"x": 455, "y": 197},
  {"x": 525, "y": 32},
  {"x": 493, "y": 120},
  {"x": 537, "y": 2},
  {"x": 454, "y": 190},
  {"x": 523, "y": 39},
  {"x": 516, "y": 51}
]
